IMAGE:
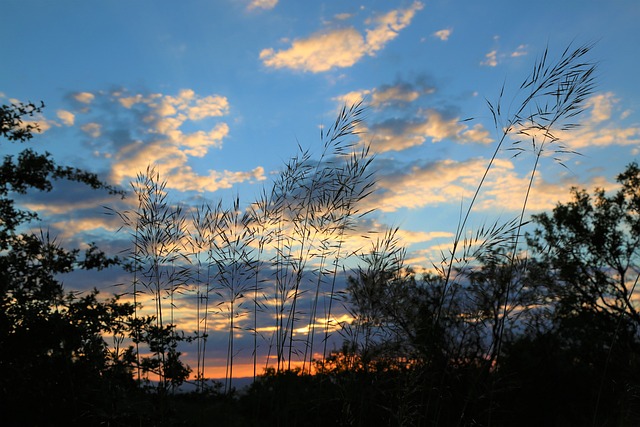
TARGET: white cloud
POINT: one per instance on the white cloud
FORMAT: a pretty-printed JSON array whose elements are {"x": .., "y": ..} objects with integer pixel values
[
  {"x": 67, "y": 117},
  {"x": 262, "y": 4},
  {"x": 491, "y": 59},
  {"x": 443, "y": 34},
  {"x": 340, "y": 48}
]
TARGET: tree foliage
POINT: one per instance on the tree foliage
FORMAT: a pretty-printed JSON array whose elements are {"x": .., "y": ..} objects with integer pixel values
[
  {"x": 55, "y": 363},
  {"x": 592, "y": 246}
]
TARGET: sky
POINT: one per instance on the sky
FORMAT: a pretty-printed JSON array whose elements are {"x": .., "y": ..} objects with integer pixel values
[{"x": 218, "y": 95}]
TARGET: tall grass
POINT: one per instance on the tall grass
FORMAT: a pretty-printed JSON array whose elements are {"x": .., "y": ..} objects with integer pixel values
[
  {"x": 547, "y": 102},
  {"x": 474, "y": 308},
  {"x": 244, "y": 263},
  {"x": 272, "y": 268},
  {"x": 158, "y": 230}
]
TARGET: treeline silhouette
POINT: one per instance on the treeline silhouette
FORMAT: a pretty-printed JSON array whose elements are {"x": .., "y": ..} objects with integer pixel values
[{"x": 519, "y": 324}]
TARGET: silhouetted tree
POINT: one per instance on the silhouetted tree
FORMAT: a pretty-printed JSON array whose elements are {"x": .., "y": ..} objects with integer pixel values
[
  {"x": 592, "y": 246},
  {"x": 55, "y": 365}
]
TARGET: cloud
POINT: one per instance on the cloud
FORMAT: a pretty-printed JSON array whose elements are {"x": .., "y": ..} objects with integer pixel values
[
  {"x": 420, "y": 184},
  {"x": 340, "y": 48},
  {"x": 392, "y": 94},
  {"x": 352, "y": 97},
  {"x": 262, "y": 4},
  {"x": 198, "y": 143},
  {"x": 506, "y": 192},
  {"x": 600, "y": 128},
  {"x": 92, "y": 129},
  {"x": 186, "y": 103},
  {"x": 431, "y": 184},
  {"x": 407, "y": 237},
  {"x": 601, "y": 106},
  {"x": 131, "y": 131},
  {"x": 491, "y": 59},
  {"x": 443, "y": 34},
  {"x": 67, "y": 117},
  {"x": 83, "y": 97},
  {"x": 604, "y": 136},
  {"x": 399, "y": 94},
  {"x": 388, "y": 26},
  {"x": 183, "y": 178},
  {"x": 520, "y": 51},
  {"x": 342, "y": 16},
  {"x": 320, "y": 52},
  {"x": 400, "y": 134}
]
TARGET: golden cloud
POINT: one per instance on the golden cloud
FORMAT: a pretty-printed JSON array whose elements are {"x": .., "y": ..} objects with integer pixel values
[
  {"x": 84, "y": 97},
  {"x": 388, "y": 26},
  {"x": 520, "y": 51},
  {"x": 340, "y": 48},
  {"x": 92, "y": 129},
  {"x": 491, "y": 59},
  {"x": 398, "y": 135},
  {"x": 67, "y": 117},
  {"x": 394, "y": 93},
  {"x": 443, "y": 34},
  {"x": 320, "y": 52},
  {"x": 600, "y": 128},
  {"x": 262, "y": 4},
  {"x": 445, "y": 181}
]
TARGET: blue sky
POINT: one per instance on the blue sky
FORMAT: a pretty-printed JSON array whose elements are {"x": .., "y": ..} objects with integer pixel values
[{"x": 218, "y": 95}]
